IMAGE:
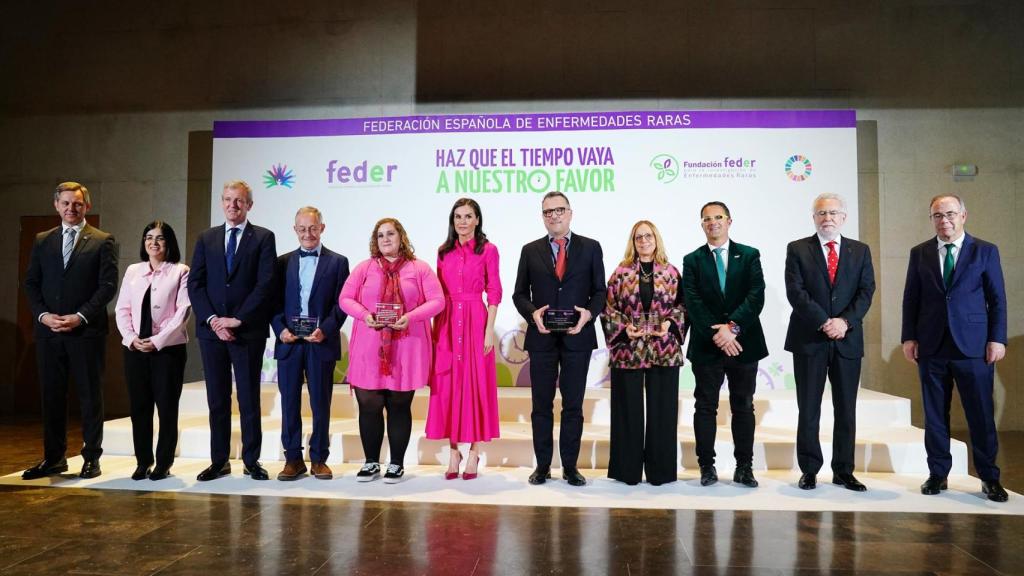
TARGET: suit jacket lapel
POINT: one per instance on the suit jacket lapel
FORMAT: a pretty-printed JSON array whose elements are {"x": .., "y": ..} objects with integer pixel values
[
  {"x": 544, "y": 251},
  {"x": 818, "y": 257},
  {"x": 967, "y": 249},
  {"x": 86, "y": 235},
  {"x": 710, "y": 271},
  {"x": 733, "y": 269},
  {"x": 243, "y": 248},
  {"x": 321, "y": 269},
  {"x": 572, "y": 254},
  {"x": 932, "y": 263}
]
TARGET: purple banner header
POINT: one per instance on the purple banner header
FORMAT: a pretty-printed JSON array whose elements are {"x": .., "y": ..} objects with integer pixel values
[{"x": 548, "y": 122}]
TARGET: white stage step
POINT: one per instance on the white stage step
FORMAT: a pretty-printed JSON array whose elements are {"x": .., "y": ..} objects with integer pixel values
[{"x": 886, "y": 440}]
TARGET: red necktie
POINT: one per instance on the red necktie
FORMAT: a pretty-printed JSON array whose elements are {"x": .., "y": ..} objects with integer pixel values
[
  {"x": 833, "y": 261},
  {"x": 560, "y": 259}
]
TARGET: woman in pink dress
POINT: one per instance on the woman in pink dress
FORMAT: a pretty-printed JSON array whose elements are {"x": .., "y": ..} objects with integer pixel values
[
  {"x": 464, "y": 388},
  {"x": 392, "y": 297}
]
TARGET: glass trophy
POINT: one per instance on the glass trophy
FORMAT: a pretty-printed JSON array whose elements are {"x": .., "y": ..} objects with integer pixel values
[
  {"x": 304, "y": 326},
  {"x": 647, "y": 322},
  {"x": 560, "y": 320},
  {"x": 387, "y": 314}
]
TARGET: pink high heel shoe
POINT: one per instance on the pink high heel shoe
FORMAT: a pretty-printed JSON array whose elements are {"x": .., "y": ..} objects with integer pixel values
[
  {"x": 476, "y": 464},
  {"x": 453, "y": 475}
]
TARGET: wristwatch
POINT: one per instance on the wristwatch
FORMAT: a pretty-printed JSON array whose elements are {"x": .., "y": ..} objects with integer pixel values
[{"x": 734, "y": 328}]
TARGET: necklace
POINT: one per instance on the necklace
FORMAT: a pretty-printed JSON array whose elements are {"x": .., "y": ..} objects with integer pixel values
[{"x": 646, "y": 276}]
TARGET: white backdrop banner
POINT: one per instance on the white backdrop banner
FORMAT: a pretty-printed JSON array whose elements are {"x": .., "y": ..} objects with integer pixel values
[{"x": 615, "y": 167}]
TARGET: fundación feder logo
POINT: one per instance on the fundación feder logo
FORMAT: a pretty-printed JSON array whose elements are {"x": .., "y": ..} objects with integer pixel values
[
  {"x": 798, "y": 168},
  {"x": 279, "y": 175},
  {"x": 667, "y": 167}
]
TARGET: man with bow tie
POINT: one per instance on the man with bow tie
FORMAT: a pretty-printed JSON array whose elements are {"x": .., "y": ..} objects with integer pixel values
[
  {"x": 308, "y": 345},
  {"x": 72, "y": 275},
  {"x": 231, "y": 287},
  {"x": 829, "y": 282}
]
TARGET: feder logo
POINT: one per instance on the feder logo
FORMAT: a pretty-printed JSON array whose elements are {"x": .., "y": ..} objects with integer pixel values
[
  {"x": 666, "y": 166},
  {"x": 798, "y": 168},
  {"x": 278, "y": 175}
]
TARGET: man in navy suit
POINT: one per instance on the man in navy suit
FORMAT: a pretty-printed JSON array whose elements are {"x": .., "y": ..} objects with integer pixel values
[
  {"x": 231, "y": 287},
  {"x": 309, "y": 280},
  {"x": 565, "y": 272},
  {"x": 954, "y": 329},
  {"x": 71, "y": 277},
  {"x": 829, "y": 282}
]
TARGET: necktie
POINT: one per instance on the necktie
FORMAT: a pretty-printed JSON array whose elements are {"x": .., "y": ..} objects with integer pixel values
[
  {"x": 560, "y": 259},
  {"x": 69, "y": 244},
  {"x": 232, "y": 245},
  {"x": 303, "y": 253},
  {"x": 721, "y": 268},
  {"x": 833, "y": 261},
  {"x": 948, "y": 265}
]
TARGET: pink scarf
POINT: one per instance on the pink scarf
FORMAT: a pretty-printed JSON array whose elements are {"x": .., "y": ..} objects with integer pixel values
[{"x": 390, "y": 293}]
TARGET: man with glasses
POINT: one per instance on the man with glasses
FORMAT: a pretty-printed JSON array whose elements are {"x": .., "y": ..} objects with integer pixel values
[
  {"x": 231, "y": 287},
  {"x": 724, "y": 292},
  {"x": 829, "y": 283},
  {"x": 307, "y": 324},
  {"x": 954, "y": 329},
  {"x": 560, "y": 290}
]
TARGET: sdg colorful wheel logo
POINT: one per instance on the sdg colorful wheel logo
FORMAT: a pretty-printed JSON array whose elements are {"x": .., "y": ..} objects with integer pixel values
[
  {"x": 798, "y": 168},
  {"x": 666, "y": 166},
  {"x": 279, "y": 175}
]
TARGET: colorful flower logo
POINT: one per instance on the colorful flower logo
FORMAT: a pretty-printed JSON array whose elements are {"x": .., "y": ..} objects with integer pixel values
[
  {"x": 798, "y": 168},
  {"x": 667, "y": 167},
  {"x": 279, "y": 175}
]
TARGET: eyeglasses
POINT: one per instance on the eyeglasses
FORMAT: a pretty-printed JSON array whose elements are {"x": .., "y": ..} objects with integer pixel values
[
  {"x": 552, "y": 212},
  {"x": 157, "y": 239},
  {"x": 832, "y": 213},
  {"x": 315, "y": 229},
  {"x": 646, "y": 236},
  {"x": 714, "y": 218},
  {"x": 940, "y": 216}
]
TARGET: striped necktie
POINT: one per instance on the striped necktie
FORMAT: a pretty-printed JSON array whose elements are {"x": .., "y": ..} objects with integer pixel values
[{"x": 69, "y": 244}]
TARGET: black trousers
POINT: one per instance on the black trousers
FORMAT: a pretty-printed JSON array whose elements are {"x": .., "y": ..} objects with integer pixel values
[
  {"x": 566, "y": 369},
  {"x": 636, "y": 449},
  {"x": 155, "y": 378},
  {"x": 742, "y": 381},
  {"x": 810, "y": 371},
  {"x": 244, "y": 358},
  {"x": 372, "y": 404},
  {"x": 79, "y": 359}
]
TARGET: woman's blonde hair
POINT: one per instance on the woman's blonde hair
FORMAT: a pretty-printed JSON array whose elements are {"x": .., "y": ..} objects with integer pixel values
[{"x": 659, "y": 247}]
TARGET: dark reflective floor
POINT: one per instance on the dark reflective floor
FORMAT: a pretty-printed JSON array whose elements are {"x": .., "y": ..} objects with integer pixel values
[{"x": 71, "y": 531}]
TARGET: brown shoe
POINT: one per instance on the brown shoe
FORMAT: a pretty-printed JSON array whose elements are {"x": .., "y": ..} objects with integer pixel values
[
  {"x": 321, "y": 471},
  {"x": 292, "y": 470}
]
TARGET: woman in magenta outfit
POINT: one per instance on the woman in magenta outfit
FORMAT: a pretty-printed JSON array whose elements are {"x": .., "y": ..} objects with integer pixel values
[
  {"x": 389, "y": 361},
  {"x": 464, "y": 389}
]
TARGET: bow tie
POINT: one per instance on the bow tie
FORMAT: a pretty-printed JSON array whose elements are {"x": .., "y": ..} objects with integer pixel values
[{"x": 303, "y": 253}]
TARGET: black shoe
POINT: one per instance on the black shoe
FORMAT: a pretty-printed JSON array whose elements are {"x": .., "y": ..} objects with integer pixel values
[
  {"x": 45, "y": 468},
  {"x": 159, "y": 473},
  {"x": 141, "y": 473},
  {"x": 369, "y": 472},
  {"x": 849, "y": 482},
  {"x": 994, "y": 490},
  {"x": 394, "y": 474},
  {"x": 573, "y": 477},
  {"x": 933, "y": 485},
  {"x": 256, "y": 471},
  {"x": 744, "y": 475},
  {"x": 90, "y": 469},
  {"x": 708, "y": 475},
  {"x": 807, "y": 481},
  {"x": 214, "y": 471},
  {"x": 540, "y": 475}
]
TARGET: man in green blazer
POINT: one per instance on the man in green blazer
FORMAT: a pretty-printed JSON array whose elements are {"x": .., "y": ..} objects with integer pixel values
[{"x": 723, "y": 286}]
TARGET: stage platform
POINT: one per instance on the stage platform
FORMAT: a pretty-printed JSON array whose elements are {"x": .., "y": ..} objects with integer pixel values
[{"x": 886, "y": 440}]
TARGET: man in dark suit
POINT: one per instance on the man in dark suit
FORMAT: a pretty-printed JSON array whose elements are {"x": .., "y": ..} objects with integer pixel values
[
  {"x": 309, "y": 280},
  {"x": 561, "y": 273},
  {"x": 724, "y": 292},
  {"x": 829, "y": 284},
  {"x": 954, "y": 329},
  {"x": 72, "y": 275},
  {"x": 231, "y": 287}
]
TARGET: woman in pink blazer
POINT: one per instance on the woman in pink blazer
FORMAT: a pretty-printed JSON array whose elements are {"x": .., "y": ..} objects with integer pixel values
[
  {"x": 151, "y": 312},
  {"x": 392, "y": 297}
]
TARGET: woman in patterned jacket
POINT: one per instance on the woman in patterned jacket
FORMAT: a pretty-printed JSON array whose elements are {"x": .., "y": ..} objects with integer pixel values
[{"x": 645, "y": 326}]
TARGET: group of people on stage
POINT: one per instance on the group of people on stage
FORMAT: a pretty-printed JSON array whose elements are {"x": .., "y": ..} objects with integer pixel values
[{"x": 413, "y": 327}]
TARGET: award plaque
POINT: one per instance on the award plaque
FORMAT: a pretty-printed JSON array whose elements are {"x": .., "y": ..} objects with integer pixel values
[
  {"x": 560, "y": 320},
  {"x": 647, "y": 322},
  {"x": 388, "y": 314},
  {"x": 304, "y": 326}
]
